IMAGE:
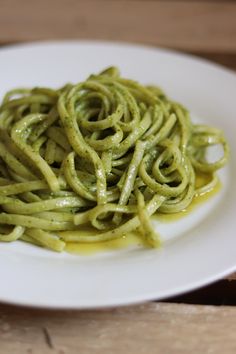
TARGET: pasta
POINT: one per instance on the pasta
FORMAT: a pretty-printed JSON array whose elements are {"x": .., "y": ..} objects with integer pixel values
[{"x": 107, "y": 152}]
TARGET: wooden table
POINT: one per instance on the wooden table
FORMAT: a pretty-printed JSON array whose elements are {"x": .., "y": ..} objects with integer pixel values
[{"x": 203, "y": 321}]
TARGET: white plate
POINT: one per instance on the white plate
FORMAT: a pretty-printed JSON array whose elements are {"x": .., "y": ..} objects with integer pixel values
[{"x": 203, "y": 245}]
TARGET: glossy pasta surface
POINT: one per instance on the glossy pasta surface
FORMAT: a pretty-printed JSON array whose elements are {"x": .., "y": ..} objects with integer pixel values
[{"x": 107, "y": 152}]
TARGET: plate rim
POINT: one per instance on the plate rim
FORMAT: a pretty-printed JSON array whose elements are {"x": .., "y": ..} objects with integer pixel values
[{"x": 138, "y": 45}]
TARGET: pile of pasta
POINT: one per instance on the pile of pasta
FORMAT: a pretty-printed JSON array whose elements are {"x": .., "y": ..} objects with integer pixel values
[{"x": 107, "y": 152}]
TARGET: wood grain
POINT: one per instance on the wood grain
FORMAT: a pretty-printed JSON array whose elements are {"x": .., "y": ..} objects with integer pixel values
[
  {"x": 205, "y": 25},
  {"x": 150, "y": 328}
]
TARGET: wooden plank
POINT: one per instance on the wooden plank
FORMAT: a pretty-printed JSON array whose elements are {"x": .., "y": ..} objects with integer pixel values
[
  {"x": 207, "y": 26},
  {"x": 150, "y": 328}
]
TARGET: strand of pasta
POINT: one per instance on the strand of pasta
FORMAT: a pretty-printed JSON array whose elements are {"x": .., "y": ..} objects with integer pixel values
[{"x": 107, "y": 152}]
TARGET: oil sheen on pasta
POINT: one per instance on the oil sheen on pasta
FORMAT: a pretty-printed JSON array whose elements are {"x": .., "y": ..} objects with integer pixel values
[
  {"x": 103, "y": 155},
  {"x": 133, "y": 238}
]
